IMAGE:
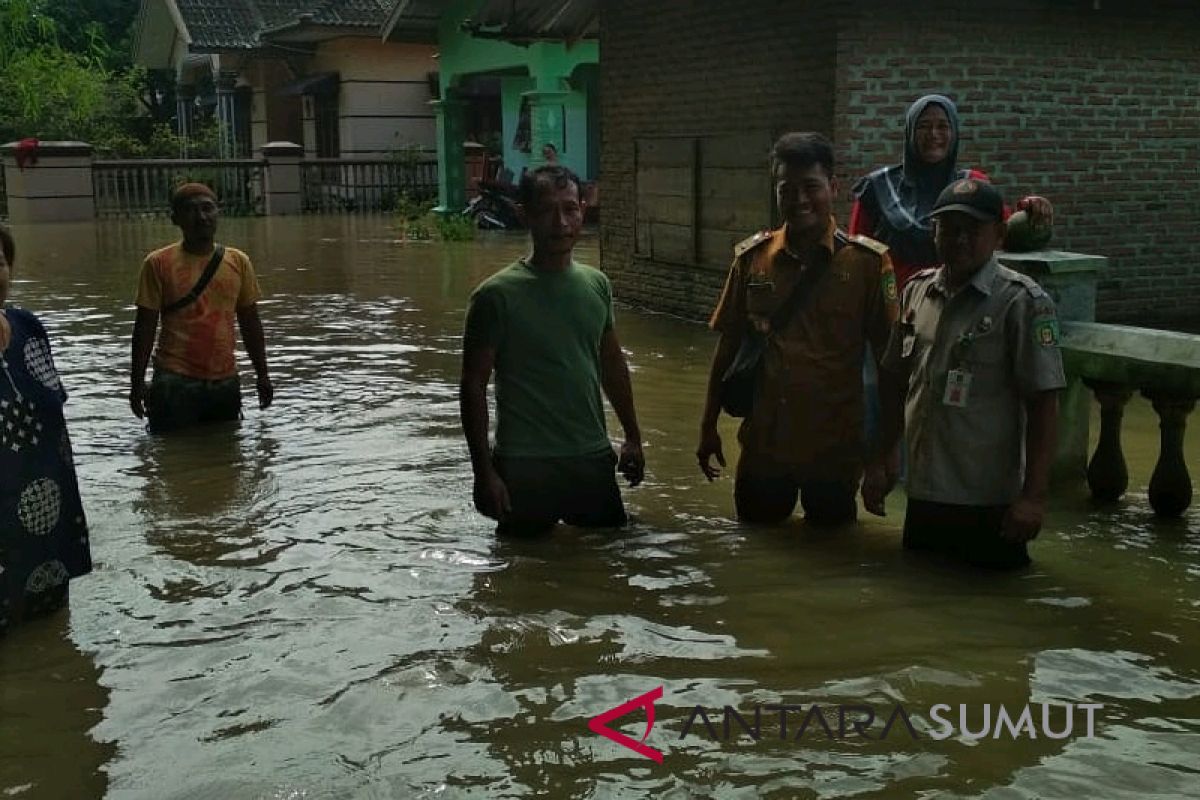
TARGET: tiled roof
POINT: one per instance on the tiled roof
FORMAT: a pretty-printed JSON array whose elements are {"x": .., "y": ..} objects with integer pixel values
[
  {"x": 240, "y": 24},
  {"x": 357, "y": 13},
  {"x": 539, "y": 19},
  {"x": 221, "y": 23}
]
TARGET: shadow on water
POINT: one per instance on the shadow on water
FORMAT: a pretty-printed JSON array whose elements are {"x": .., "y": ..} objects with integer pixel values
[{"x": 307, "y": 605}]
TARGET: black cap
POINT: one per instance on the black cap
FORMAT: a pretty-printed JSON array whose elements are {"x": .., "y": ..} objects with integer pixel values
[{"x": 971, "y": 196}]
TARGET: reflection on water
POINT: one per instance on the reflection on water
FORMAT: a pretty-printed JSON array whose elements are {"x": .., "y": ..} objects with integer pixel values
[{"x": 305, "y": 605}]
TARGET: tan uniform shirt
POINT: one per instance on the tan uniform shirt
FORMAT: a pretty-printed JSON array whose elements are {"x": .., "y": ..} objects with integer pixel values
[
  {"x": 808, "y": 412},
  {"x": 973, "y": 359}
]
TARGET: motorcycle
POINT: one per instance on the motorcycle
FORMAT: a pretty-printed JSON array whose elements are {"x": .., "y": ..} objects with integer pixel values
[{"x": 494, "y": 208}]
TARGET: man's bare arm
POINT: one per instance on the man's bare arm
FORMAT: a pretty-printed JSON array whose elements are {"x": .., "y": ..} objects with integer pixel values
[
  {"x": 145, "y": 326},
  {"x": 618, "y": 388},
  {"x": 256, "y": 347}
]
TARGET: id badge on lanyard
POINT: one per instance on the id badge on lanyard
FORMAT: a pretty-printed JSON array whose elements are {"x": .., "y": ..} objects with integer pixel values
[
  {"x": 958, "y": 388},
  {"x": 958, "y": 380}
]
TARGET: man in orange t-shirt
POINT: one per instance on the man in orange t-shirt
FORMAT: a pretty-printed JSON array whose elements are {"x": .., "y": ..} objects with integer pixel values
[{"x": 195, "y": 375}]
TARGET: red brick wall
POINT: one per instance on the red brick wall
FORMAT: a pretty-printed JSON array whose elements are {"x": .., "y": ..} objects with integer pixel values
[{"x": 1099, "y": 110}]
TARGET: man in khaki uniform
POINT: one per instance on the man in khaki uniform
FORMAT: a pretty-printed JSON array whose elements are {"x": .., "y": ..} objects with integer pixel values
[
  {"x": 803, "y": 437},
  {"x": 976, "y": 347}
]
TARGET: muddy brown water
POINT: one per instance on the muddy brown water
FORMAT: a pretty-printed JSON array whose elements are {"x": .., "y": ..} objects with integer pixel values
[{"x": 306, "y": 606}]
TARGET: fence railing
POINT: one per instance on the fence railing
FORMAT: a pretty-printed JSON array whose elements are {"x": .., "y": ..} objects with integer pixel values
[
  {"x": 132, "y": 188},
  {"x": 360, "y": 185},
  {"x": 144, "y": 187}
]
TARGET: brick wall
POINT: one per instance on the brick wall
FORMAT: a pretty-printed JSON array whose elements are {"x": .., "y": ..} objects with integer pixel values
[
  {"x": 700, "y": 68},
  {"x": 1097, "y": 109}
]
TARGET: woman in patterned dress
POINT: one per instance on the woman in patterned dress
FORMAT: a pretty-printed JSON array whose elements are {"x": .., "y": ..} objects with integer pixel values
[{"x": 43, "y": 533}]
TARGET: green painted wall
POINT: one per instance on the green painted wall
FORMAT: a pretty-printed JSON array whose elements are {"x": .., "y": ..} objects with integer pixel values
[{"x": 540, "y": 67}]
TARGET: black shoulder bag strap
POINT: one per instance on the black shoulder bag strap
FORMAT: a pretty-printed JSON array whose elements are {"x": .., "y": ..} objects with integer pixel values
[
  {"x": 209, "y": 271},
  {"x": 800, "y": 292},
  {"x": 740, "y": 381}
]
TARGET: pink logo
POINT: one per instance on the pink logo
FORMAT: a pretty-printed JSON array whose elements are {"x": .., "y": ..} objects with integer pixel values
[{"x": 599, "y": 724}]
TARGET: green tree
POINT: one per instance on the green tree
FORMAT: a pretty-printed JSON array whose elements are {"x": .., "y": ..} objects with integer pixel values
[{"x": 66, "y": 73}]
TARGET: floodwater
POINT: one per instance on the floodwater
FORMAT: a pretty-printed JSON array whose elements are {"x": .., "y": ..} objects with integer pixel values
[{"x": 307, "y": 606}]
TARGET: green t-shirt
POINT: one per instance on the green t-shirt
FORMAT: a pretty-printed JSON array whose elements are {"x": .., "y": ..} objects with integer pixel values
[{"x": 546, "y": 328}]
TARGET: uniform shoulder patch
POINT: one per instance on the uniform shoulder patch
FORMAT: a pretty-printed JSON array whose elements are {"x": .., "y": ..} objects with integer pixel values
[
  {"x": 750, "y": 242},
  {"x": 1045, "y": 328},
  {"x": 878, "y": 248}
]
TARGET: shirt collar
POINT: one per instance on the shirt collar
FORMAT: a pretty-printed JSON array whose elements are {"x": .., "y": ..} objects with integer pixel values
[
  {"x": 982, "y": 280},
  {"x": 826, "y": 239}
]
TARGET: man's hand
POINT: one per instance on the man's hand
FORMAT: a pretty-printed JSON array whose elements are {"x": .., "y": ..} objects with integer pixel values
[
  {"x": 491, "y": 496},
  {"x": 1023, "y": 520},
  {"x": 710, "y": 445},
  {"x": 266, "y": 392},
  {"x": 1041, "y": 213},
  {"x": 875, "y": 487},
  {"x": 632, "y": 463},
  {"x": 137, "y": 399}
]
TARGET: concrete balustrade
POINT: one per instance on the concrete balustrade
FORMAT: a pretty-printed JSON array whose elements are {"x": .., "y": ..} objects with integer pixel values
[{"x": 1112, "y": 362}]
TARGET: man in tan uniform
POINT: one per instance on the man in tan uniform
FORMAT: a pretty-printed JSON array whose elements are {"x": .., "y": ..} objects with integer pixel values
[
  {"x": 803, "y": 437},
  {"x": 976, "y": 348}
]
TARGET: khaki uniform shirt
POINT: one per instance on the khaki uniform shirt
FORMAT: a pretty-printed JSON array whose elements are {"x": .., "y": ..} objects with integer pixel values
[
  {"x": 973, "y": 359},
  {"x": 808, "y": 411}
]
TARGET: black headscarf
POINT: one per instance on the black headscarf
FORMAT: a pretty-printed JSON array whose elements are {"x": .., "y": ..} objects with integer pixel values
[{"x": 901, "y": 196}]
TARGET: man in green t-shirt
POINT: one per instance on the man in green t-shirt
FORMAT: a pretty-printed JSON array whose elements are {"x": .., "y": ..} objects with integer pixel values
[{"x": 544, "y": 324}]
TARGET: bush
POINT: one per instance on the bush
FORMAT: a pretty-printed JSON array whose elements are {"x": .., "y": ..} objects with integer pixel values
[{"x": 454, "y": 227}]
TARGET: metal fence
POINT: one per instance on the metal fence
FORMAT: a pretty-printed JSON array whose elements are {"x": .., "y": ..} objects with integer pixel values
[
  {"x": 361, "y": 185},
  {"x": 143, "y": 187}
]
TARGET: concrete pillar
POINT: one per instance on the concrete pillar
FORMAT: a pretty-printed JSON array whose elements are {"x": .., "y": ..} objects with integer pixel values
[
  {"x": 227, "y": 113},
  {"x": 1070, "y": 280},
  {"x": 282, "y": 177},
  {"x": 55, "y": 188},
  {"x": 451, "y": 130}
]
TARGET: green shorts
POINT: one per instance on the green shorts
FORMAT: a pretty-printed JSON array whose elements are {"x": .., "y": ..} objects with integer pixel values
[
  {"x": 578, "y": 491},
  {"x": 175, "y": 401}
]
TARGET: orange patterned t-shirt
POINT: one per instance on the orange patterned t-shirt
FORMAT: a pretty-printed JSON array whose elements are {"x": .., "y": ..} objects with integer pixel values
[{"x": 198, "y": 339}]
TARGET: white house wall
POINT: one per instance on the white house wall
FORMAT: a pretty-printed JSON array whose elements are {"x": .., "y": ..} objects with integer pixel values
[{"x": 384, "y": 94}]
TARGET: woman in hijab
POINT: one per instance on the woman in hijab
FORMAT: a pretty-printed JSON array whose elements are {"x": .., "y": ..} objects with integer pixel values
[
  {"x": 43, "y": 533},
  {"x": 892, "y": 204}
]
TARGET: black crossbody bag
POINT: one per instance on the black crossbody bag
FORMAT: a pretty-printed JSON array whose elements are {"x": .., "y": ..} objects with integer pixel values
[
  {"x": 740, "y": 381},
  {"x": 205, "y": 277}
]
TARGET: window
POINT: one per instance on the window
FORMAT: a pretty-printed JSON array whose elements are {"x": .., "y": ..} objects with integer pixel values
[{"x": 325, "y": 124}]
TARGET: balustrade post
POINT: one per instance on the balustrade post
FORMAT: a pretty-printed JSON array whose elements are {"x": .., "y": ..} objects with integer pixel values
[
  {"x": 281, "y": 177},
  {"x": 1070, "y": 279},
  {"x": 1170, "y": 485},
  {"x": 53, "y": 183},
  {"x": 1107, "y": 475}
]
